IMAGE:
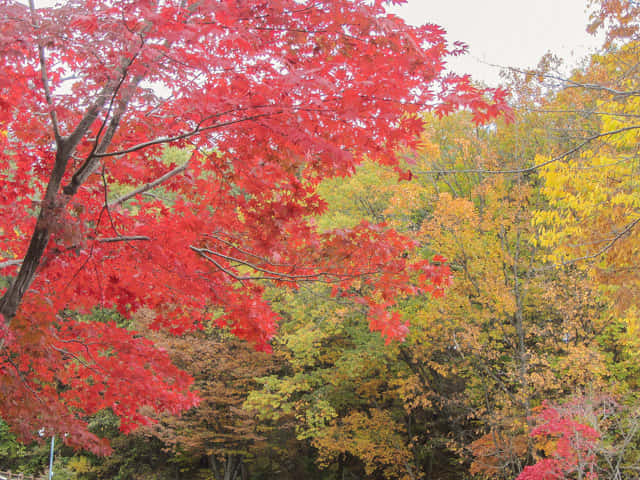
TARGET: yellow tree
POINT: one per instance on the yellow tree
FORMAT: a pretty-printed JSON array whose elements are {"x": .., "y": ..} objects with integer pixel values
[
  {"x": 593, "y": 197},
  {"x": 512, "y": 331}
]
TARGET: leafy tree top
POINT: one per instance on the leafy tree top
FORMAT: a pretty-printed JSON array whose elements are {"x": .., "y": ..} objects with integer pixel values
[{"x": 268, "y": 98}]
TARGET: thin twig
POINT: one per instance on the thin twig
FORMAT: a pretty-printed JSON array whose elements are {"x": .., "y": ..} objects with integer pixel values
[
  {"x": 567, "y": 81},
  {"x": 106, "y": 205},
  {"x": 248, "y": 253},
  {"x": 320, "y": 277}
]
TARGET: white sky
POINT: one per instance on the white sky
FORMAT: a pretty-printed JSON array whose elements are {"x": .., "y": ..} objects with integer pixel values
[{"x": 513, "y": 33}]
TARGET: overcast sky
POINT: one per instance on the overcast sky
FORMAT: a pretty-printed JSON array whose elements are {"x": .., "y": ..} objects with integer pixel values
[{"x": 507, "y": 32}]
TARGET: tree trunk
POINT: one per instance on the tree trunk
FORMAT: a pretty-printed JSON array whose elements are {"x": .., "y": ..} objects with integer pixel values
[
  {"x": 215, "y": 468},
  {"x": 233, "y": 467}
]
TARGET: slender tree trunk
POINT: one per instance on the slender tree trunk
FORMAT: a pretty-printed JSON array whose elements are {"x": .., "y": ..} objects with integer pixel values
[
  {"x": 215, "y": 468},
  {"x": 55, "y": 199},
  {"x": 233, "y": 467},
  {"x": 341, "y": 472},
  {"x": 244, "y": 471}
]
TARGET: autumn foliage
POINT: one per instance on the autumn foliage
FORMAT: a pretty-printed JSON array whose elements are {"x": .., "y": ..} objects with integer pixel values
[
  {"x": 570, "y": 444},
  {"x": 266, "y": 99},
  {"x": 277, "y": 236}
]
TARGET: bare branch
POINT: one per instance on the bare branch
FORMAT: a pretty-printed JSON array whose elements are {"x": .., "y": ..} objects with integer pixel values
[
  {"x": 91, "y": 163},
  {"x": 603, "y": 250},
  {"x": 569, "y": 82},
  {"x": 71, "y": 142},
  {"x": 580, "y": 112},
  {"x": 323, "y": 277},
  {"x": 246, "y": 252},
  {"x": 123, "y": 239},
  {"x": 594, "y": 86},
  {"x": 253, "y": 266},
  {"x": 10, "y": 263},
  {"x": 534, "y": 167},
  {"x": 45, "y": 78},
  {"x": 217, "y": 264},
  {"x": 196, "y": 131},
  {"x": 148, "y": 186},
  {"x": 78, "y": 359}
]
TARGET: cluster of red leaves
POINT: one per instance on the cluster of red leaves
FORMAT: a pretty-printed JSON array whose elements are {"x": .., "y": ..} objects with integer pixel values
[
  {"x": 270, "y": 98},
  {"x": 574, "y": 452},
  {"x": 55, "y": 375}
]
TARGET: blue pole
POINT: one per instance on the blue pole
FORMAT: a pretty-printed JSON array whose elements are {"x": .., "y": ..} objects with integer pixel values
[{"x": 51, "y": 459}]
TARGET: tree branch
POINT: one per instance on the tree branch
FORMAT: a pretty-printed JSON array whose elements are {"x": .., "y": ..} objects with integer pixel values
[
  {"x": 323, "y": 277},
  {"x": 569, "y": 82},
  {"x": 45, "y": 77},
  {"x": 51, "y": 203},
  {"x": 122, "y": 239},
  {"x": 10, "y": 263},
  {"x": 534, "y": 167},
  {"x": 148, "y": 186},
  {"x": 246, "y": 252},
  {"x": 600, "y": 252},
  {"x": 70, "y": 143},
  {"x": 196, "y": 131},
  {"x": 91, "y": 162},
  {"x": 579, "y": 112}
]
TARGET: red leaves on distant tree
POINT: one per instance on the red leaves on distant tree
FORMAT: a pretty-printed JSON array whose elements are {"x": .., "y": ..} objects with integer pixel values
[
  {"x": 267, "y": 98},
  {"x": 573, "y": 455}
]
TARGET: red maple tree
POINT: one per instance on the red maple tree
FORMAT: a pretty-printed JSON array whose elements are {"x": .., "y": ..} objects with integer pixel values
[
  {"x": 574, "y": 444},
  {"x": 268, "y": 98}
]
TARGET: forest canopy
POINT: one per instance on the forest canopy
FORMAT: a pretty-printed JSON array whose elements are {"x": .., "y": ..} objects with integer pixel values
[{"x": 245, "y": 239}]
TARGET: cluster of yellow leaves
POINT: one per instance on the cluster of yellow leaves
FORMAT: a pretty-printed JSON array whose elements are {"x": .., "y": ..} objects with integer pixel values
[
  {"x": 594, "y": 196},
  {"x": 592, "y": 218},
  {"x": 373, "y": 436},
  {"x": 592, "y": 200}
]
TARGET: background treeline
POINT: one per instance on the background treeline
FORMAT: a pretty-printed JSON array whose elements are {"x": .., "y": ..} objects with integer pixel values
[{"x": 531, "y": 358}]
